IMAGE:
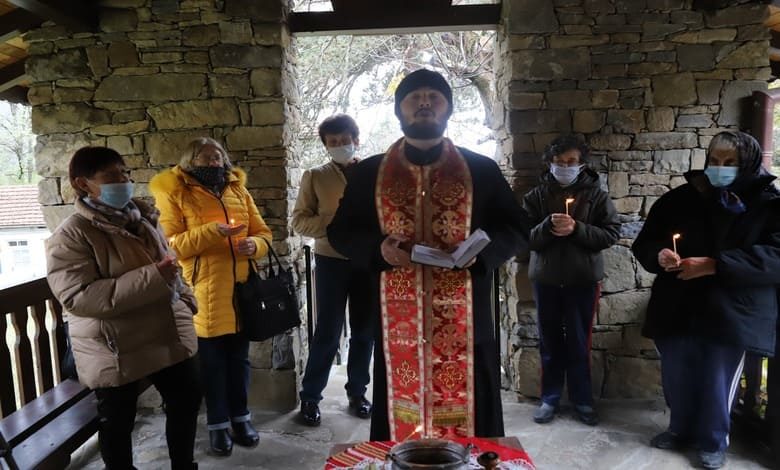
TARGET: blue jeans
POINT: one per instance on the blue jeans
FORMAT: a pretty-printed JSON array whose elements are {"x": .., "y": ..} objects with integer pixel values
[
  {"x": 336, "y": 282},
  {"x": 700, "y": 380},
  {"x": 565, "y": 323},
  {"x": 224, "y": 364}
]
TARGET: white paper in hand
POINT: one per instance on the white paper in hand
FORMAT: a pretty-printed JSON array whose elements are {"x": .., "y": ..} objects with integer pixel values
[{"x": 468, "y": 249}]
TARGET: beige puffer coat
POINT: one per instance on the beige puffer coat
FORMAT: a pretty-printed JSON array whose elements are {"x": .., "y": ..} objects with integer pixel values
[{"x": 125, "y": 320}]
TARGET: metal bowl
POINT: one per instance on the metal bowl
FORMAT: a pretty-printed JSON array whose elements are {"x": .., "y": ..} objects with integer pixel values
[{"x": 429, "y": 454}]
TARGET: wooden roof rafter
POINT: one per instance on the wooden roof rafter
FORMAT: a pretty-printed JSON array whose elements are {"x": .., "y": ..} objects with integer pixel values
[
  {"x": 20, "y": 16},
  {"x": 394, "y": 17},
  {"x": 78, "y": 15}
]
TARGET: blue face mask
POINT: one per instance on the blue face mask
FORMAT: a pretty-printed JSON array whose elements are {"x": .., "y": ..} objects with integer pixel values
[
  {"x": 116, "y": 195},
  {"x": 721, "y": 176},
  {"x": 565, "y": 175}
]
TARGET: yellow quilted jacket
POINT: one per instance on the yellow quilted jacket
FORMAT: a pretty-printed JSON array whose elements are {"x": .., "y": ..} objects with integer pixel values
[{"x": 189, "y": 214}]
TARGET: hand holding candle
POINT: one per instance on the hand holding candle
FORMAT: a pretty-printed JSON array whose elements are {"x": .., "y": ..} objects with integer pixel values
[
  {"x": 569, "y": 200},
  {"x": 229, "y": 230},
  {"x": 167, "y": 268}
]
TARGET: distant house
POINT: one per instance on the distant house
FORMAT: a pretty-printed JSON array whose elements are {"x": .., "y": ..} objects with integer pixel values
[{"x": 22, "y": 233}]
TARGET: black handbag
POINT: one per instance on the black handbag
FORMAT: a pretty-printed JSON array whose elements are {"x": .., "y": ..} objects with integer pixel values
[{"x": 267, "y": 307}]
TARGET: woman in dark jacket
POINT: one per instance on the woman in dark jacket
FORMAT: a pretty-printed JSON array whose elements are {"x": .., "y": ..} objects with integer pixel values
[
  {"x": 714, "y": 297},
  {"x": 574, "y": 220}
]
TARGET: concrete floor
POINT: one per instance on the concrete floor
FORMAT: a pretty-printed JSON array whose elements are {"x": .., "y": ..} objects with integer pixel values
[{"x": 619, "y": 442}]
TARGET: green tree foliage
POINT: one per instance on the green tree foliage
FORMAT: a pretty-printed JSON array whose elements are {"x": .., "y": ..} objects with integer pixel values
[
  {"x": 359, "y": 74},
  {"x": 17, "y": 144}
]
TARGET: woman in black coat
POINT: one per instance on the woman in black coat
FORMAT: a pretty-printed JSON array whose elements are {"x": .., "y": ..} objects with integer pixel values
[
  {"x": 714, "y": 295},
  {"x": 573, "y": 221}
]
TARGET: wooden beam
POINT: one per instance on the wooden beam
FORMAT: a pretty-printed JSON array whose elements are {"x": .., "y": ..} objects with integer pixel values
[
  {"x": 395, "y": 21},
  {"x": 16, "y": 23},
  {"x": 77, "y": 15},
  {"x": 17, "y": 94},
  {"x": 12, "y": 75}
]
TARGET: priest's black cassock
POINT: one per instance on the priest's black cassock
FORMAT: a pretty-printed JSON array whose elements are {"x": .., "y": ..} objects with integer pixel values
[{"x": 355, "y": 233}]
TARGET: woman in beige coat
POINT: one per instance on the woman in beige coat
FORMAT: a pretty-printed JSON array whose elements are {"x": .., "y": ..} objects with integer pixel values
[{"x": 130, "y": 316}]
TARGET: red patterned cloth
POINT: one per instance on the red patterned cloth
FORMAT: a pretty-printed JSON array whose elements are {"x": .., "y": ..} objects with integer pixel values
[
  {"x": 364, "y": 455},
  {"x": 427, "y": 311}
]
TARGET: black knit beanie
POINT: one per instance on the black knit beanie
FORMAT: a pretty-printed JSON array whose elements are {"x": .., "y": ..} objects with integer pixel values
[{"x": 418, "y": 79}]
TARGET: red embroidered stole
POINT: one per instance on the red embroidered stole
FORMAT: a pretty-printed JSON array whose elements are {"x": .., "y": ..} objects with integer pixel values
[{"x": 427, "y": 311}]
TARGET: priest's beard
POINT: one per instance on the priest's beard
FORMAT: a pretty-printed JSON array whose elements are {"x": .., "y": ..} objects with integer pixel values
[{"x": 424, "y": 131}]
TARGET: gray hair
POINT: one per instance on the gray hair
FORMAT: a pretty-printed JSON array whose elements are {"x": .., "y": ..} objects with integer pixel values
[
  {"x": 193, "y": 149},
  {"x": 725, "y": 141}
]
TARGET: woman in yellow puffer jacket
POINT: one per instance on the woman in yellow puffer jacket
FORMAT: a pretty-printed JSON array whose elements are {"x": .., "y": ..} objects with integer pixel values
[{"x": 213, "y": 224}]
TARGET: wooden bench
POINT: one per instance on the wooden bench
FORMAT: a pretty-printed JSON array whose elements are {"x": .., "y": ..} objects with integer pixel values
[{"x": 44, "y": 418}]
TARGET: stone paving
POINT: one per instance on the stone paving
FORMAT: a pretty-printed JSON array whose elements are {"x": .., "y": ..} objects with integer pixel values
[{"x": 619, "y": 442}]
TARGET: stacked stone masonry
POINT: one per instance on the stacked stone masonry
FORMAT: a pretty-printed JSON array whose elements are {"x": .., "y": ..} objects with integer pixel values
[
  {"x": 647, "y": 83},
  {"x": 157, "y": 74}
]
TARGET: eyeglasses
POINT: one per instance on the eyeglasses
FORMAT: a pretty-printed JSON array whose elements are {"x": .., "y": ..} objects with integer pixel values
[{"x": 212, "y": 159}]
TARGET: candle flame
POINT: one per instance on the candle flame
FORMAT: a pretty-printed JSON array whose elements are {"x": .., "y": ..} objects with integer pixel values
[
  {"x": 676, "y": 236},
  {"x": 416, "y": 430},
  {"x": 232, "y": 221},
  {"x": 569, "y": 200},
  {"x": 170, "y": 241}
]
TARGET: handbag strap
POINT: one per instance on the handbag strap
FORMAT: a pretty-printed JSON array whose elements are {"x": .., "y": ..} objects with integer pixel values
[
  {"x": 271, "y": 257},
  {"x": 254, "y": 266}
]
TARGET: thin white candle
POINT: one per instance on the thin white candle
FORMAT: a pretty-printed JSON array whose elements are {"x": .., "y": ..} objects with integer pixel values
[{"x": 569, "y": 200}]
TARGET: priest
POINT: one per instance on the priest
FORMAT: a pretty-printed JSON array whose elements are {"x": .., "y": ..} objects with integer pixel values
[{"x": 436, "y": 369}]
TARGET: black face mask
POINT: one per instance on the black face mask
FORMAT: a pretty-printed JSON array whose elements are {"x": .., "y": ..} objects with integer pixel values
[{"x": 209, "y": 176}]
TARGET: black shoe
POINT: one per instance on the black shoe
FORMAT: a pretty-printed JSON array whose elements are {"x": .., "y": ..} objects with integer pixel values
[
  {"x": 360, "y": 407},
  {"x": 586, "y": 414},
  {"x": 668, "y": 440},
  {"x": 221, "y": 443},
  {"x": 545, "y": 413},
  {"x": 244, "y": 434},
  {"x": 712, "y": 460},
  {"x": 310, "y": 413}
]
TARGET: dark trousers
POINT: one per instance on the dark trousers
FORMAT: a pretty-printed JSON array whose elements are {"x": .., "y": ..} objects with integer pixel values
[
  {"x": 700, "y": 380},
  {"x": 224, "y": 364},
  {"x": 179, "y": 386},
  {"x": 565, "y": 317},
  {"x": 336, "y": 281}
]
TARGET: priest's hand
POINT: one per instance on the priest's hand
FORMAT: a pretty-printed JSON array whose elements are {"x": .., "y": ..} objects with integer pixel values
[
  {"x": 562, "y": 225},
  {"x": 393, "y": 252}
]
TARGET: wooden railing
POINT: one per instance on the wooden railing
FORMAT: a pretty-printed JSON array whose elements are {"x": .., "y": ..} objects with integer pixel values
[{"x": 32, "y": 341}]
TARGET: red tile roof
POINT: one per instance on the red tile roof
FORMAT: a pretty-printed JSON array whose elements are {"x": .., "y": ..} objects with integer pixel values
[{"x": 19, "y": 207}]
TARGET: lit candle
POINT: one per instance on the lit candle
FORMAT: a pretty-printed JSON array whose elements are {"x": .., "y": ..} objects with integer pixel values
[
  {"x": 569, "y": 200},
  {"x": 232, "y": 221},
  {"x": 416, "y": 430},
  {"x": 170, "y": 241},
  {"x": 674, "y": 242}
]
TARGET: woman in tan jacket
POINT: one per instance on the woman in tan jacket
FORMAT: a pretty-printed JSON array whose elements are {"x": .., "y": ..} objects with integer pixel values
[
  {"x": 215, "y": 228},
  {"x": 130, "y": 316}
]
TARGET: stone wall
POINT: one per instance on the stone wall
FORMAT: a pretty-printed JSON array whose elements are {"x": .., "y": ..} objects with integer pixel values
[
  {"x": 157, "y": 74},
  {"x": 647, "y": 83}
]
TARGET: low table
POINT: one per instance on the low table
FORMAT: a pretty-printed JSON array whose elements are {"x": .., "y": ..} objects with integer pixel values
[
  {"x": 370, "y": 453},
  {"x": 510, "y": 441}
]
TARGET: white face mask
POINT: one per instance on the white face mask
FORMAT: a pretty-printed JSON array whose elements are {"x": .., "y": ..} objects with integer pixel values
[
  {"x": 342, "y": 155},
  {"x": 565, "y": 175}
]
